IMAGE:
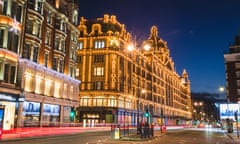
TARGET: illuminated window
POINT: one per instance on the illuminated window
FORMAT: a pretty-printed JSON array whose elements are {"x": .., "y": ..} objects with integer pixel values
[
  {"x": 85, "y": 101},
  {"x": 128, "y": 104},
  {"x": 28, "y": 82},
  {"x": 49, "y": 18},
  {"x": 36, "y": 28},
  {"x": 121, "y": 103},
  {"x": 98, "y": 44},
  {"x": 65, "y": 90},
  {"x": 75, "y": 17},
  {"x": 112, "y": 102},
  {"x": 99, "y": 101},
  {"x": 98, "y": 71},
  {"x": 98, "y": 85},
  {"x": 62, "y": 45},
  {"x": 48, "y": 38},
  {"x": 63, "y": 26},
  {"x": 71, "y": 92},
  {"x": 38, "y": 84},
  {"x": 72, "y": 53},
  {"x": 80, "y": 45},
  {"x": 48, "y": 87},
  {"x": 77, "y": 72},
  {"x": 57, "y": 89}
]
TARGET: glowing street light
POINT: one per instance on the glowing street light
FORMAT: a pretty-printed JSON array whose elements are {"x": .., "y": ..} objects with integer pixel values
[
  {"x": 146, "y": 47},
  {"x": 130, "y": 47},
  {"x": 221, "y": 89}
]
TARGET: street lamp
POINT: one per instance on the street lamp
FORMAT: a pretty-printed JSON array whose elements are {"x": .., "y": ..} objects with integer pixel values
[
  {"x": 130, "y": 48},
  {"x": 198, "y": 106}
]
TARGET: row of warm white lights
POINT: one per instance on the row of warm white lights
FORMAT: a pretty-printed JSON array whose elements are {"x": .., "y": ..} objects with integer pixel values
[{"x": 132, "y": 47}]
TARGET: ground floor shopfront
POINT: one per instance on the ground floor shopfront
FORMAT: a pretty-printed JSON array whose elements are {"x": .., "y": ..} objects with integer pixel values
[
  {"x": 33, "y": 111},
  {"x": 44, "y": 111},
  {"x": 95, "y": 116}
]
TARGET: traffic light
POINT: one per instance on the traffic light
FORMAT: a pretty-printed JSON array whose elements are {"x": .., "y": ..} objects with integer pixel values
[
  {"x": 72, "y": 114},
  {"x": 146, "y": 113}
]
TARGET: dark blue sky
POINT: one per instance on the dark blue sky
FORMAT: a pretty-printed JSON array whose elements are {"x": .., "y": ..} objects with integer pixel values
[{"x": 198, "y": 32}]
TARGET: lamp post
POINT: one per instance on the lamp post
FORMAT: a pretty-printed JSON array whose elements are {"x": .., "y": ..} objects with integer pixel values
[
  {"x": 130, "y": 48},
  {"x": 198, "y": 106}
]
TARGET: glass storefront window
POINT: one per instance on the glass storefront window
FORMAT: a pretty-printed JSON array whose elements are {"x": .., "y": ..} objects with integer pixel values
[{"x": 31, "y": 112}]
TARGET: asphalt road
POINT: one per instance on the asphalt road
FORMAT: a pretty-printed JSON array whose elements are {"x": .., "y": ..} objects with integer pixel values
[
  {"x": 81, "y": 138},
  {"x": 183, "y": 136},
  {"x": 194, "y": 137}
]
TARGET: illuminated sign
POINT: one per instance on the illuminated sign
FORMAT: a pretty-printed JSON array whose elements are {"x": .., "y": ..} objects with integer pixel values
[
  {"x": 7, "y": 97},
  {"x": 49, "y": 109},
  {"x": 31, "y": 108},
  {"x": 227, "y": 111}
]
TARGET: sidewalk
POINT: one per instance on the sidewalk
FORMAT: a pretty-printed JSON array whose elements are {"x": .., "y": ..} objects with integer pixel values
[
  {"x": 132, "y": 139},
  {"x": 235, "y": 136}
]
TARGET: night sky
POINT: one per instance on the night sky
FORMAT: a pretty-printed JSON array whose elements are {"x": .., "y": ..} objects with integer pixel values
[{"x": 198, "y": 32}]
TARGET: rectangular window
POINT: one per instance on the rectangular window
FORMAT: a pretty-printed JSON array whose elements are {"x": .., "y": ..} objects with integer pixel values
[
  {"x": 238, "y": 91},
  {"x": 1, "y": 37},
  {"x": 98, "y": 71},
  {"x": 61, "y": 66},
  {"x": 98, "y": 58},
  {"x": 77, "y": 72},
  {"x": 238, "y": 83},
  {"x": 26, "y": 51},
  {"x": 35, "y": 54},
  {"x": 80, "y": 45},
  {"x": 98, "y": 85},
  {"x": 46, "y": 59},
  {"x": 15, "y": 43},
  {"x": 12, "y": 74},
  {"x": 6, "y": 72},
  {"x": 98, "y": 44},
  {"x": 238, "y": 74},
  {"x": 57, "y": 43},
  {"x": 85, "y": 102},
  {"x": 112, "y": 102},
  {"x": 49, "y": 18},
  {"x": 29, "y": 26},
  {"x": 54, "y": 64},
  {"x": 237, "y": 65},
  {"x": 36, "y": 28},
  {"x": 47, "y": 38}
]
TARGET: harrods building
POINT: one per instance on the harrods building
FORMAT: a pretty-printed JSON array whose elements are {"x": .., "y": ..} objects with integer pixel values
[{"x": 120, "y": 82}]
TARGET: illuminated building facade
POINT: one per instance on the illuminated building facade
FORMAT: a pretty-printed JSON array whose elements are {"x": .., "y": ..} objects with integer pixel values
[
  {"x": 38, "y": 42},
  {"x": 120, "y": 85},
  {"x": 232, "y": 66}
]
